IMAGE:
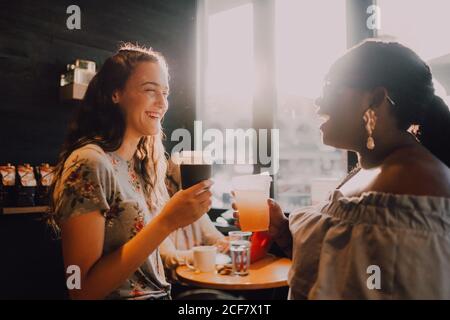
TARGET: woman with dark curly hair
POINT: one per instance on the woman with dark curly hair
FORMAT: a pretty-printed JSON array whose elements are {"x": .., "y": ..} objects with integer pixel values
[{"x": 384, "y": 233}]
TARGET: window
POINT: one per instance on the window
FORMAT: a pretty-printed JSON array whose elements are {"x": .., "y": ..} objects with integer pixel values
[
  {"x": 309, "y": 36},
  {"x": 227, "y": 77}
]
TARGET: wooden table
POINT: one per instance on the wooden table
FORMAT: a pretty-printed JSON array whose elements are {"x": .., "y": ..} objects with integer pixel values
[{"x": 269, "y": 272}]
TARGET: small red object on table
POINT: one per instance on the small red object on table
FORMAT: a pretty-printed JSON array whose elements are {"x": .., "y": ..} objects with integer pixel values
[{"x": 260, "y": 244}]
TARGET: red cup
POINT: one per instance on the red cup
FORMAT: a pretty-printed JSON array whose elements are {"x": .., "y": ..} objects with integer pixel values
[{"x": 260, "y": 244}]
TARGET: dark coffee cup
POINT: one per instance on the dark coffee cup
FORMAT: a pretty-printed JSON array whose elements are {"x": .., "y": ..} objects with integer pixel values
[
  {"x": 192, "y": 174},
  {"x": 195, "y": 166}
]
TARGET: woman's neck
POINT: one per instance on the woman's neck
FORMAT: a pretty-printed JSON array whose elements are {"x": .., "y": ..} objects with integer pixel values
[
  {"x": 369, "y": 159},
  {"x": 128, "y": 147}
]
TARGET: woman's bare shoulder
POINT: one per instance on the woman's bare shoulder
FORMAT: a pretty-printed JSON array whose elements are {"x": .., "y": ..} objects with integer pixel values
[{"x": 418, "y": 175}]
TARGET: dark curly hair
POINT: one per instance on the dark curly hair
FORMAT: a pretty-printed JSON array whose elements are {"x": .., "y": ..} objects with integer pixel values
[{"x": 409, "y": 81}]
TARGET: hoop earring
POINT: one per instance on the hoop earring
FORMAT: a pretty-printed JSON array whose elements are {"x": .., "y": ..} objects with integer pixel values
[{"x": 370, "y": 119}]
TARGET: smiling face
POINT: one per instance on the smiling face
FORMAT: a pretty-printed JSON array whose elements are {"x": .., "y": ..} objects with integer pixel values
[{"x": 144, "y": 99}]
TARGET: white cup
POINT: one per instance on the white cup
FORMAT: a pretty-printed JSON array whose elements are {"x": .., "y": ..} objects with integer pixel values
[{"x": 204, "y": 258}]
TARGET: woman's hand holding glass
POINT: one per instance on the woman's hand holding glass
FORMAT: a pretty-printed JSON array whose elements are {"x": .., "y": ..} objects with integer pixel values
[{"x": 278, "y": 221}]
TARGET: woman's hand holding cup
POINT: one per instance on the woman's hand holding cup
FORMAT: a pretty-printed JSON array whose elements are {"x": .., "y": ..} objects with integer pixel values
[
  {"x": 187, "y": 206},
  {"x": 278, "y": 221}
]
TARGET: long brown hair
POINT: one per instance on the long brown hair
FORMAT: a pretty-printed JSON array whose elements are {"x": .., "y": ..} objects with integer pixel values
[{"x": 99, "y": 121}]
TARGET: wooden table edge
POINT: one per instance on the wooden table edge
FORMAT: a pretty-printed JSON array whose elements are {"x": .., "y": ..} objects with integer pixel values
[{"x": 234, "y": 287}]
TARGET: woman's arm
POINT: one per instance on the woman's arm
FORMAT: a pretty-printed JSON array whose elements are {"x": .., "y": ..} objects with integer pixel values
[
  {"x": 171, "y": 256},
  {"x": 284, "y": 239},
  {"x": 279, "y": 228},
  {"x": 82, "y": 243},
  {"x": 83, "y": 237}
]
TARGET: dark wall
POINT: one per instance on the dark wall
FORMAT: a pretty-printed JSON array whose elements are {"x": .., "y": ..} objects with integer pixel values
[
  {"x": 32, "y": 266},
  {"x": 35, "y": 46}
]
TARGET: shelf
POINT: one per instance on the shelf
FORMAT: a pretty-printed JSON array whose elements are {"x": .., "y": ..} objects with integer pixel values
[{"x": 24, "y": 210}]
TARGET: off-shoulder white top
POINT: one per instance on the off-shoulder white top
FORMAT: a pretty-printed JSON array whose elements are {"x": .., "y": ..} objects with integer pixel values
[{"x": 373, "y": 246}]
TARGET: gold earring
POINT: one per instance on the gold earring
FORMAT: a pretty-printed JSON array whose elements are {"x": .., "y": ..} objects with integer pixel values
[{"x": 370, "y": 119}]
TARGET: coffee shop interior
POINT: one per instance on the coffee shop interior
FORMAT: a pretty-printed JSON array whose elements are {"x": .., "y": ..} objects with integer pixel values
[{"x": 251, "y": 68}]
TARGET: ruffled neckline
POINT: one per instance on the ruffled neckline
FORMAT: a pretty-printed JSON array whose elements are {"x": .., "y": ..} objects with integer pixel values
[{"x": 390, "y": 200}]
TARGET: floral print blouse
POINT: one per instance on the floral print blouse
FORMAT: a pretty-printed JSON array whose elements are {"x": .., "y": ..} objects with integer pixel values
[{"x": 96, "y": 180}]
